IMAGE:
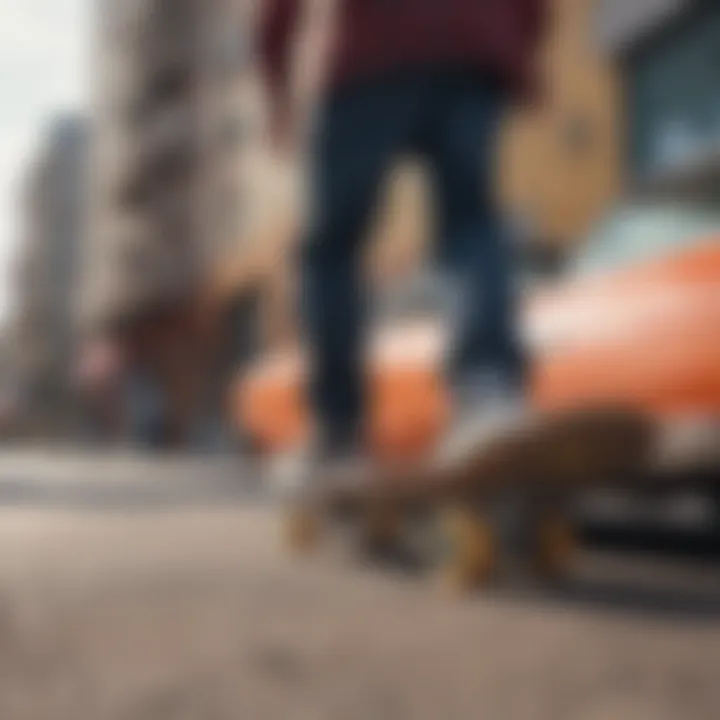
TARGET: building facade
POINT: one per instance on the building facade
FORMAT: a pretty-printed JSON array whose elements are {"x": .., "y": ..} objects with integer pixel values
[
  {"x": 43, "y": 332},
  {"x": 165, "y": 200}
]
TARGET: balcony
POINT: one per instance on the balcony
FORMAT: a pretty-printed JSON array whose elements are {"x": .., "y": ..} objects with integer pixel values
[
  {"x": 152, "y": 274},
  {"x": 163, "y": 150},
  {"x": 168, "y": 46},
  {"x": 141, "y": 268}
]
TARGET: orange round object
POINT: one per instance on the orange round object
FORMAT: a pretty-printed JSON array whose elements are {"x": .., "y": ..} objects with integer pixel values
[{"x": 408, "y": 409}]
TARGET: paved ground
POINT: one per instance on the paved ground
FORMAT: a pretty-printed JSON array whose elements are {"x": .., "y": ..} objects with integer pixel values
[
  {"x": 192, "y": 612},
  {"x": 64, "y": 477}
]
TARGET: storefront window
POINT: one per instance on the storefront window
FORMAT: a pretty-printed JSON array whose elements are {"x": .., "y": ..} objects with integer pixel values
[{"x": 674, "y": 95}]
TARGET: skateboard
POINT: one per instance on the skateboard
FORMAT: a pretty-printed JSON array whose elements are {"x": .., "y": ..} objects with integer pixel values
[{"x": 501, "y": 507}]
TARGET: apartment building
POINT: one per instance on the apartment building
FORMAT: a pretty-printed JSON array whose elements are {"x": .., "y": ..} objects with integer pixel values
[
  {"x": 43, "y": 331},
  {"x": 164, "y": 193}
]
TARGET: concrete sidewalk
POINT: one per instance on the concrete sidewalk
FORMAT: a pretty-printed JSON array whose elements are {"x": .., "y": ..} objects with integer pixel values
[
  {"x": 200, "y": 615},
  {"x": 64, "y": 476}
]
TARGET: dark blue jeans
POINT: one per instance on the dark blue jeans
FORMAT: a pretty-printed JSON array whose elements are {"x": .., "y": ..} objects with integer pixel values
[{"x": 452, "y": 121}]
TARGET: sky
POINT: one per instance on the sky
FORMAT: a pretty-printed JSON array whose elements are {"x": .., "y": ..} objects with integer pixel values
[{"x": 43, "y": 71}]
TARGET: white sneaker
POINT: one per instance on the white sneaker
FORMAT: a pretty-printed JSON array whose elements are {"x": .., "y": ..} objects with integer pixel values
[
  {"x": 308, "y": 469},
  {"x": 485, "y": 405}
]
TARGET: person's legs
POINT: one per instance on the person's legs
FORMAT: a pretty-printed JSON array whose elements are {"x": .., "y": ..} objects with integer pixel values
[
  {"x": 360, "y": 131},
  {"x": 474, "y": 249}
]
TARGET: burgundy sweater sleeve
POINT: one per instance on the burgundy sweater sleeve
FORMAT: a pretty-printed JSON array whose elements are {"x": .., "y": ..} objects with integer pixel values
[
  {"x": 277, "y": 24},
  {"x": 537, "y": 13}
]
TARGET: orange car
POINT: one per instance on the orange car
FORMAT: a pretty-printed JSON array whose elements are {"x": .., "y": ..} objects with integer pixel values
[{"x": 636, "y": 321}]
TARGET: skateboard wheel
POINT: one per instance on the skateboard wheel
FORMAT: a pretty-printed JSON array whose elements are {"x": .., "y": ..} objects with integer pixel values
[
  {"x": 302, "y": 530},
  {"x": 556, "y": 546},
  {"x": 471, "y": 549}
]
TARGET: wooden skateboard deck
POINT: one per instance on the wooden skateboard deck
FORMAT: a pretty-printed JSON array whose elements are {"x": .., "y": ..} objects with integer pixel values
[{"x": 506, "y": 499}]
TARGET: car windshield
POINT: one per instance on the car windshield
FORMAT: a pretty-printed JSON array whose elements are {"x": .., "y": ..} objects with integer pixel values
[{"x": 635, "y": 233}]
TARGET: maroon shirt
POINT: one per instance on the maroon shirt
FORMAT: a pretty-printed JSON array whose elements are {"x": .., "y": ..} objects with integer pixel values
[{"x": 373, "y": 37}]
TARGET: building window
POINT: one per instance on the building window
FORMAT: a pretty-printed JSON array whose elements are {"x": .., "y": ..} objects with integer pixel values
[{"x": 674, "y": 95}]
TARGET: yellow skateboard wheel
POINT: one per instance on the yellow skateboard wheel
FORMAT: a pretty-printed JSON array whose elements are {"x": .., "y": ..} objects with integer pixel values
[
  {"x": 556, "y": 547},
  {"x": 471, "y": 549},
  {"x": 302, "y": 529}
]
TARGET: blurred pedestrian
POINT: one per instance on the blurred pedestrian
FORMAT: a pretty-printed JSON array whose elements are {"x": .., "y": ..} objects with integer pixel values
[
  {"x": 98, "y": 378},
  {"x": 433, "y": 78}
]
